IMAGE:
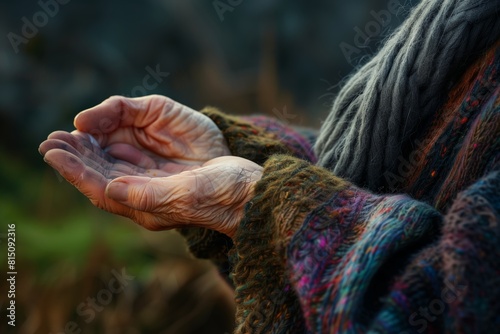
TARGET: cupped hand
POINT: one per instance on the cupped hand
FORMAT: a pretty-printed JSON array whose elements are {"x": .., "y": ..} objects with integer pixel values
[
  {"x": 155, "y": 161},
  {"x": 152, "y": 131}
]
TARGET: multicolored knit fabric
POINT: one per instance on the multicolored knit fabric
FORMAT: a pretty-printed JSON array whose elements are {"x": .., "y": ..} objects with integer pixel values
[
  {"x": 290, "y": 189},
  {"x": 298, "y": 140},
  {"x": 463, "y": 143},
  {"x": 332, "y": 245},
  {"x": 316, "y": 254},
  {"x": 254, "y": 138}
]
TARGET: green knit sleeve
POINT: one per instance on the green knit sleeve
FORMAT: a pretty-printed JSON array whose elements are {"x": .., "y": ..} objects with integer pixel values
[
  {"x": 289, "y": 189},
  {"x": 244, "y": 140},
  {"x": 315, "y": 249}
]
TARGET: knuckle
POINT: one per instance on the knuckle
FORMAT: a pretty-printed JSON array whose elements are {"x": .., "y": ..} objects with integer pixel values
[{"x": 143, "y": 200}]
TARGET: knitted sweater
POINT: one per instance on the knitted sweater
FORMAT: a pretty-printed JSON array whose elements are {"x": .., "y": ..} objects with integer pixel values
[{"x": 316, "y": 254}]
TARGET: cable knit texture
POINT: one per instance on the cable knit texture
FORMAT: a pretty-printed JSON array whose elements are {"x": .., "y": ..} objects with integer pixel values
[
  {"x": 382, "y": 108},
  {"x": 462, "y": 143}
]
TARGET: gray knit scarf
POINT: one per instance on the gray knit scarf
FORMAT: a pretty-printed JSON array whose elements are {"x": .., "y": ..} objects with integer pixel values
[{"x": 385, "y": 105}]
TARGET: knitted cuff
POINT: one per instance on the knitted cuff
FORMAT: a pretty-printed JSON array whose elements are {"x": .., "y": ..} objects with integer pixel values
[
  {"x": 299, "y": 140},
  {"x": 244, "y": 140},
  {"x": 289, "y": 189}
]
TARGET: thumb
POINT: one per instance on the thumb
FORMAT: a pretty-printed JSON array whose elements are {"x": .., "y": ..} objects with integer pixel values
[
  {"x": 137, "y": 192},
  {"x": 148, "y": 194}
]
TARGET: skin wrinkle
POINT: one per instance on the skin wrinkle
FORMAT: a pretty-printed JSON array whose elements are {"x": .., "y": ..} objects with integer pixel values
[
  {"x": 131, "y": 113},
  {"x": 150, "y": 118},
  {"x": 143, "y": 198}
]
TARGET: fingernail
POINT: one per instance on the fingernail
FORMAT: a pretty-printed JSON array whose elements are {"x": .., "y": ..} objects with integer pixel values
[{"x": 117, "y": 191}]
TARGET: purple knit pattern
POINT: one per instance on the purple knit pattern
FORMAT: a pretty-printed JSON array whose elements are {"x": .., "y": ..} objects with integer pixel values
[
  {"x": 344, "y": 245},
  {"x": 453, "y": 286},
  {"x": 392, "y": 264},
  {"x": 463, "y": 150},
  {"x": 299, "y": 141}
]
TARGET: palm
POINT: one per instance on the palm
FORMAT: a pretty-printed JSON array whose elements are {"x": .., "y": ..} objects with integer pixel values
[
  {"x": 193, "y": 194},
  {"x": 89, "y": 168}
]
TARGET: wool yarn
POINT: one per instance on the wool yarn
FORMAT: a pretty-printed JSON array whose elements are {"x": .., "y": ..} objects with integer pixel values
[
  {"x": 317, "y": 254},
  {"x": 378, "y": 112},
  {"x": 255, "y": 138}
]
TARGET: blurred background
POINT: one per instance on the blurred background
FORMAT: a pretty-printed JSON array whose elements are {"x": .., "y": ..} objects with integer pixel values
[{"x": 58, "y": 57}]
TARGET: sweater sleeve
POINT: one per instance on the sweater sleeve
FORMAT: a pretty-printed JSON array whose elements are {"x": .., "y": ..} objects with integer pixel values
[
  {"x": 258, "y": 137},
  {"x": 309, "y": 237},
  {"x": 316, "y": 254},
  {"x": 254, "y": 138}
]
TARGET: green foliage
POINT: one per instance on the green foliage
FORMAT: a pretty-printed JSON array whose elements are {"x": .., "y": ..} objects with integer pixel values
[{"x": 55, "y": 224}]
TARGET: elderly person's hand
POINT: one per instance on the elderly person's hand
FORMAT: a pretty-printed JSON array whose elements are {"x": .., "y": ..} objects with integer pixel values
[{"x": 155, "y": 161}]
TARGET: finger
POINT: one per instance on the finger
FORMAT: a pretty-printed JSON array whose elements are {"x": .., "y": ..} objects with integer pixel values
[
  {"x": 73, "y": 169},
  {"x": 82, "y": 142},
  {"x": 95, "y": 157},
  {"x": 119, "y": 111},
  {"x": 87, "y": 137},
  {"x": 148, "y": 166},
  {"x": 90, "y": 160},
  {"x": 149, "y": 194},
  {"x": 119, "y": 136},
  {"x": 50, "y": 144},
  {"x": 131, "y": 154},
  {"x": 91, "y": 155},
  {"x": 87, "y": 180}
]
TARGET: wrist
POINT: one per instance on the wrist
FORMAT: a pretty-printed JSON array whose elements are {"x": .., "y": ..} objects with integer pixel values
[{"x": 239, "y": 210}]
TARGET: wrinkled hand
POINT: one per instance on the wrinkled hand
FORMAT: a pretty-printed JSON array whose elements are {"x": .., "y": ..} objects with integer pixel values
[
  {"x": 155, "y": 161},
  {"x": 153, "y": 131}
]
